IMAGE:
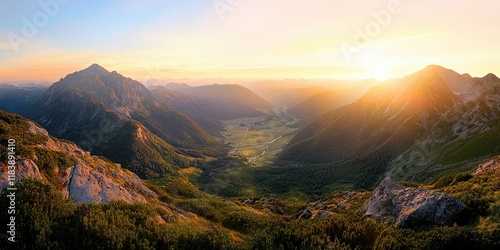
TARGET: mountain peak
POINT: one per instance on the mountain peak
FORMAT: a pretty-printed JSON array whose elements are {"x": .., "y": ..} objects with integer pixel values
[
  {"x": 438, "y": 71},
  {"x": 96, "y": 69},
  {"x": 490, "y": 76},
  {"x": 95, "y": 65},
  {"x": 462, "y": 85},
  {"x": 432, "y": 68}
]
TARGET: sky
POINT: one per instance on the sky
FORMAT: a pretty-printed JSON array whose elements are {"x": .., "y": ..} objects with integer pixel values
[{"x": 44, "y": 40}]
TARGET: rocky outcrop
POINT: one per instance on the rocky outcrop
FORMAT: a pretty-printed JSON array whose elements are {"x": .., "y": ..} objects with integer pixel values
[
  {"x": 411, "y": 207},
  {"x": 56, "y": 145},
  {"x": 84, "y": 184},
  {"x": 25, "y": 168},
  {"x": 491, "y": 165},
  {"x": 315, "y": 210},
  {"x": 37, "y": 130},
  {"x": 91, "y": 179},
  {"x": 323, "y": 214}
]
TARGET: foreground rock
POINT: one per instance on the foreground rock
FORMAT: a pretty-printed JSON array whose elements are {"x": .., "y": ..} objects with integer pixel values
[
  {"x": 90, "y": 180},
  {"x": 411, "y": 207},
  {"x": 84, "y": 184}
]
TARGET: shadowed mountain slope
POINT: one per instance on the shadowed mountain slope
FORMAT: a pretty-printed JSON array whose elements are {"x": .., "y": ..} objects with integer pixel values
[{"x": 104, "y": 111}]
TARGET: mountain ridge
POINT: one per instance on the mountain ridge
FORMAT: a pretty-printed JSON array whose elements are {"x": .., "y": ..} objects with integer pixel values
[
  {"x": 97, "y": 108},
  {"x": 228, "y": 101},
  {"x": 388, "y": 123}
]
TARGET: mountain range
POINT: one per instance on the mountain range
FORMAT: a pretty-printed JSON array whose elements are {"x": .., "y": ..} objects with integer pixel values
[
  {"x": 109, "y": 114},
  {"x": 188, "y": 105},
  {"x": 415, "y": 128},
  {"x": 14, "y": 96},
  {"x": 151, "y": 132},
  {"x": 427, "y": 130},
  {"x": 226, "y": 102}
]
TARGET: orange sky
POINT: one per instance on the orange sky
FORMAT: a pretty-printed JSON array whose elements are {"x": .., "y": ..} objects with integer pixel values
[{"x": 253, "y": 39}]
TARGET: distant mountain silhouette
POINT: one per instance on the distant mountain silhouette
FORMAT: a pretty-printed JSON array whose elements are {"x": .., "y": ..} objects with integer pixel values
[
  {"x": 177, "y": 86},
  {"x": 13, "y": 97},
  {"x": 227, "y": 101},
  {"x": 318, "y": 104},
  {"x": 186, "y": 104}
]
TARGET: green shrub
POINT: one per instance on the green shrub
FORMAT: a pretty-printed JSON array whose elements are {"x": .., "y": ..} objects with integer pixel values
[
  {"x": 243, "y": 221},
  {"x": 452, "y": 179}
]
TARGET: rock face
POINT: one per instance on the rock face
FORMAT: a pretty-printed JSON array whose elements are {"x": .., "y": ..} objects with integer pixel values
[
  {"x": 25, "y": 168},
  {"x": 91, "y": 179},
  {"x": 411, "y": 207},
  {"x": 56, "y": 145},
  {"x": 86, "y": 185},
  {"x": 37, "y": 130}
]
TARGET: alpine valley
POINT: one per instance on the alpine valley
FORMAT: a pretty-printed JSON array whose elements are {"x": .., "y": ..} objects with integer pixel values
[{"x": 105, "y": 162}]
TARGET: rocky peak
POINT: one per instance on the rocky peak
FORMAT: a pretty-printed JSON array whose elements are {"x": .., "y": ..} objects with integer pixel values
[
  {"x": 410, "y": 207},
  {"x": 462, "y": 85},
  {"x": 491, "y": 77},
  {"x": 95, "y": 69},
  {"x": 434, "y": 68},
  {"x": 119, "y": 93}
]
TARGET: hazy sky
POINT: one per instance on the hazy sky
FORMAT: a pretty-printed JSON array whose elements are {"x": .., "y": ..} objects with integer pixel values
[{"x": 247, "y": 38}]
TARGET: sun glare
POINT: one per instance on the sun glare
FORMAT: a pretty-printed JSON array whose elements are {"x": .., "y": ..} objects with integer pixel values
[{"x": 378, "y": 72}]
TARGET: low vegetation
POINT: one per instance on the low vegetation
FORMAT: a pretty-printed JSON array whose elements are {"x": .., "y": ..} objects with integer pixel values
[
  {"x": 15, "y": 127},
  {"x": 47, "y": 220}
]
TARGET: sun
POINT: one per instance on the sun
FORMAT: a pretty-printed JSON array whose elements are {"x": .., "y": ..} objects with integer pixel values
[{"x": 378, "y": 71}]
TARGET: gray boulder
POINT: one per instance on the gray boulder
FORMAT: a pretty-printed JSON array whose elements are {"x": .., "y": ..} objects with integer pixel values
[
  {"x": 306, "y": 214},
  {"x": 411, "y": 207},
  {"x": 323, "y": 214}
]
